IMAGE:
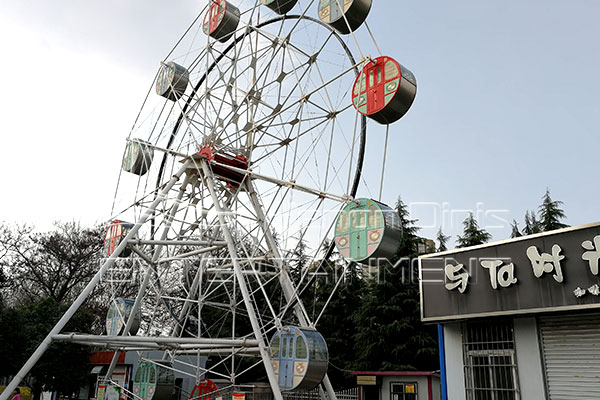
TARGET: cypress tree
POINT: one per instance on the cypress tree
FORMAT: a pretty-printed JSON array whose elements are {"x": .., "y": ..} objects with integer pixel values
[
  {"x": 472, "y": 234},
  {"x": 442, "y": 239},
  {"x": 551, "y": 213}
]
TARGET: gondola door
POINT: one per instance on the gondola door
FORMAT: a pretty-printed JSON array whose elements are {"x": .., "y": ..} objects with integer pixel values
[
  {"x": 216, "y": 8},
  {"x": 286, "y": 368},
  {"x": 358, "y": 234},
  {"x": 375, "y": 88},
  {"x": 143, "y": 380},
  {"x": 146, "y": 381}
]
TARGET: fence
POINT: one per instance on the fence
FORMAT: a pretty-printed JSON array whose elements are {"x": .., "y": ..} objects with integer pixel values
[
  {"x": 346, "y": 394},
  {"x": 263, "y": 392}
]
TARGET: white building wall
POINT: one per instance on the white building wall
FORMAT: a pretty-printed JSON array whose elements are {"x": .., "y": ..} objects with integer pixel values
[
  {"x": 437, "y": 388},
  {"x": 529, "y": 359},
  {"x": 455, "y": 371},
  {"x": 421, "y": 381}
]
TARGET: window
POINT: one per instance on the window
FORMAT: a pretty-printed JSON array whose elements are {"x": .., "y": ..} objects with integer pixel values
[
  {"x": 275, "y": 347},
  {"x": 403, "y": 391},
  {"x": 152, "y": 374},
  {"x": 301, "y": 352},
  {"x": 343, "y": 222},
  {"x": 317, "y": 347},
  {"x": 490, "y": 362},
  {"x": 391, "y": 70},
  {"x": 374, "y": 217},
  {"x": 165, "y": 375},
  {"x": 359, "y": 220},
  {"x": 138, "y": 374}
]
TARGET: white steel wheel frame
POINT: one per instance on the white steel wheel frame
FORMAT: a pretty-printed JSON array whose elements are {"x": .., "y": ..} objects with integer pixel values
[{"x": 285, "y": 105}]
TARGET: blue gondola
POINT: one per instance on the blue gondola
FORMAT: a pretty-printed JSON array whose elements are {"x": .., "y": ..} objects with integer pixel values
[
  {"x": 118, "y": 313},
  {"x": 299, "y": 357}
]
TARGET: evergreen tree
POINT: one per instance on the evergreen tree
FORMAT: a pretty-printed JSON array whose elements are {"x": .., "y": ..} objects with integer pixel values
[
  {"x": 64, "y": 367},
  {"x": 532, "y": 225},
  {"x": 472, "y": 234},
  {"x": 551, "y": 213},
  {"x": 389, "y": 334},
  {"x": 442, "y": 239},
  {"x": 336, "y": 324},
  {"x": 515, "y": 230},
  {"x": 410, "y": 240}
]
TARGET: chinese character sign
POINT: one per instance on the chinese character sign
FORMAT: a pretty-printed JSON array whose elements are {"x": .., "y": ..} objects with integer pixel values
[
  {"x": 546, "y": 263},
  {"x": 557, "y": 271}
]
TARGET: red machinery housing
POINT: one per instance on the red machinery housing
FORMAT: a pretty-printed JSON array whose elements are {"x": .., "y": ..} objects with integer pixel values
[{"x": 221, "y": 162}]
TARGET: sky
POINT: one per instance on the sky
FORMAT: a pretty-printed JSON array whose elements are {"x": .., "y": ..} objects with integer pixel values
[{"x": 507, "y": 105}]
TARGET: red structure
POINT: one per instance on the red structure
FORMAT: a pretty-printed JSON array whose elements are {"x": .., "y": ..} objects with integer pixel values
[
  {"x": 220, "y": 163},
  {"x": 221, "y": 20},
  {"x": 114, "y": 235},
  {"x": 205, "y": 390},
  {"x": 384, "y": 90}
]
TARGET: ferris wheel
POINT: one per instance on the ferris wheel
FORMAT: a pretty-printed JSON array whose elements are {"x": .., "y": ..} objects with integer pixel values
[{"x": 243, "y": 164}]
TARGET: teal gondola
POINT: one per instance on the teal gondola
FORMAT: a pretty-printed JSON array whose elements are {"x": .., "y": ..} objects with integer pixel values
[{"x": 154, "y": 380}]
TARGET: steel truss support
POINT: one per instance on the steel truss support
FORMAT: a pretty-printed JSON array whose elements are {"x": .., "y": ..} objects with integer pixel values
[
  {"x": 264, "y": 349},
  {"x": 157, "y": 251},
  {"x": 287, "y": 285},
  {"x": 41, "y": 349},
  {"x": 138, "y": 340}
]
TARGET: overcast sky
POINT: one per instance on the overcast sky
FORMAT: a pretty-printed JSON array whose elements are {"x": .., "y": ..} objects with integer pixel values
[{"x": 507, "y": 104}]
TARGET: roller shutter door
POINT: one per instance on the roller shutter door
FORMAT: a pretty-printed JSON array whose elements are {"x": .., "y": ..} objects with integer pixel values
[{"x": 571, "y": 347}]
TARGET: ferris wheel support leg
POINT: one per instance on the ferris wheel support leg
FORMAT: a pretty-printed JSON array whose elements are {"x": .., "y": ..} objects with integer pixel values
[
  {"x": 284, "y": 279},
  {"x": 138, "y": 300},
  {"x": 264, "y": 351},
  {"x": 41, "y": 349},
  {"x": 286, "y": 283}
]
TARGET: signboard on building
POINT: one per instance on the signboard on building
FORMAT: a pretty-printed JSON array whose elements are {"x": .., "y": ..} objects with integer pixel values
[
  {"x": 100, "y": 392},
  {"x": 238, "y": 396},
  {"x": 366, "y": 380},
  {"x": 551, "y": 271}
]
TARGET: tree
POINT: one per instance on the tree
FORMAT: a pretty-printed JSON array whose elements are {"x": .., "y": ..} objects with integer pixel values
[
  {"x": 13, "y": 339},
  {"x": 50, "y": 268},
  {"x": 336, "y": 324},
  {"x": 442, "y": 239},
  {"x": 551, "y": 213},
  {"x": 55, "y": 264},
  {"x": 532, "y": 225},
  {"x": 389, "y": 334},
  {"x": 472, "y": 234},
  {"x": 64, "y": 367},
  {"x": 410, "y": 239},
  {"x": 515, "y": 230}
]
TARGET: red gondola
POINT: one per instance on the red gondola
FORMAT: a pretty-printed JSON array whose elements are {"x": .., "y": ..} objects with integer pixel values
[
  {"x": 115, "y": 233},
  {"x": 221, "y": 20},
  {"x": 384, "y": 90}
]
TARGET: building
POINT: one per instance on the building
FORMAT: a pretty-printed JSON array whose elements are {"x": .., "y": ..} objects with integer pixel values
[
  {"x": 122, "y": 374},
  {"x": 518, "y": 319},
  {"x": 398, "y": 385},
  {"x": 425, "y": 246}
]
